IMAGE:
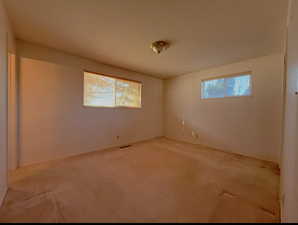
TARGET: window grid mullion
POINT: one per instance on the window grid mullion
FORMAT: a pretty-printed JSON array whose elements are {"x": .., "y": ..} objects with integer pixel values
[{"x": 226, "y": 87}]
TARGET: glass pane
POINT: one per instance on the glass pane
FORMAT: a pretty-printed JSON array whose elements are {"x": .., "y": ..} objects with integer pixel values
[
  {"x": 238, "y": 86},
  {"x": 213, "y": 88},
  {"x": 128, "y": 93},
  {"x": 99, "y": 90}
]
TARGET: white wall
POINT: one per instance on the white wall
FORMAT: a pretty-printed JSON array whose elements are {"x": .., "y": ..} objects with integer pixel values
[
  {"x": 53, "y": 121},
  {"x": 249, "y": 126},
  {"x": 289, "y": 178},
  {"x": 6, "y": 46}
]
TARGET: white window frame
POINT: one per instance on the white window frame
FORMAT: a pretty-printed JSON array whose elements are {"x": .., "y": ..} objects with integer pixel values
[
  {"x": 229, "y": 76},
  {"x": 117, "y": 78}
]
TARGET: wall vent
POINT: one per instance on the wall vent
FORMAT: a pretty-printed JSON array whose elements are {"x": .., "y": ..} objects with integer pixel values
[{"x": 125, "y": 146}]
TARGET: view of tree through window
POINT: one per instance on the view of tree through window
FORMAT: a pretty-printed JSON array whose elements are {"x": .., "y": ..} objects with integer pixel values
[
  {"x": 227, "y": 86},
  {"x": 105, "y": 91}
]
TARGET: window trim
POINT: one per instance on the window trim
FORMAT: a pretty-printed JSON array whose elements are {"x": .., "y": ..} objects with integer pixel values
[
  {"x": 115, "y": 77},
  {"x": 112, "y": 76},
  {"x": 249, "y": 72}
]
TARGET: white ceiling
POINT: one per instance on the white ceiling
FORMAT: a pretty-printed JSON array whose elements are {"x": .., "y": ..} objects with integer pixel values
[{"x": 203, "y": 33}]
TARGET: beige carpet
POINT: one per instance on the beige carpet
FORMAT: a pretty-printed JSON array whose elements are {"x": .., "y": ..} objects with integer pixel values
[{"x": 152, "y": 181}]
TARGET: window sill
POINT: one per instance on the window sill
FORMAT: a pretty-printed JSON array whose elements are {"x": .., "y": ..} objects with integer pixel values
[
  {"x": 227, "y": 97},
  {"x": 112, "y": 107}
]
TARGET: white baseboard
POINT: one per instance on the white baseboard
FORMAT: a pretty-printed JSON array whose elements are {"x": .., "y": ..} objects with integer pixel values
[{"x": 2, "y": 194}]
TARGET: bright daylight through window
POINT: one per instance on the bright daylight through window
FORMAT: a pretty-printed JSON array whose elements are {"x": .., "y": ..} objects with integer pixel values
[
  {"x": 108, "y": 91},
  {"x": 230, "y": 86}
]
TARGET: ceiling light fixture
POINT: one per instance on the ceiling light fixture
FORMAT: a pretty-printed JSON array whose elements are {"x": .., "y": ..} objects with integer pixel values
[{"x": 159, "y": 46}]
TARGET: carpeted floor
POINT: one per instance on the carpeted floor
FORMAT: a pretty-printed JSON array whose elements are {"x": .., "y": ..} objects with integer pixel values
[{"x": 153, "y": 181}]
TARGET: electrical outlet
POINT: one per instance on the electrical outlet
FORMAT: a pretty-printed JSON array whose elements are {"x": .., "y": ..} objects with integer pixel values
[
  {"x": 194, "y": 134},
  {"x": 117, "y": 137},
  {"x": 283, "y": 199}
]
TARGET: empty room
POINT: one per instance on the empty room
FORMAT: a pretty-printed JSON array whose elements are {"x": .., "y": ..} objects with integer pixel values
[{"x": 148, "y": 111}]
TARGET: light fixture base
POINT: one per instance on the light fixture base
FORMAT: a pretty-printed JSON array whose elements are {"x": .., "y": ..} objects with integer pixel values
[{"x": 159, "y": 46}]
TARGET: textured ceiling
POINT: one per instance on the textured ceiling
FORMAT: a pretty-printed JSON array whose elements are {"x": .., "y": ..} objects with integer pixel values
[{"x": 203, "y": 33}]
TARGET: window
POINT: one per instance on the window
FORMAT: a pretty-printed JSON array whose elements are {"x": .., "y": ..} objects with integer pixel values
[
  {"x": 239, "y": 85},
  {"x": 108, "y": 91}
]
